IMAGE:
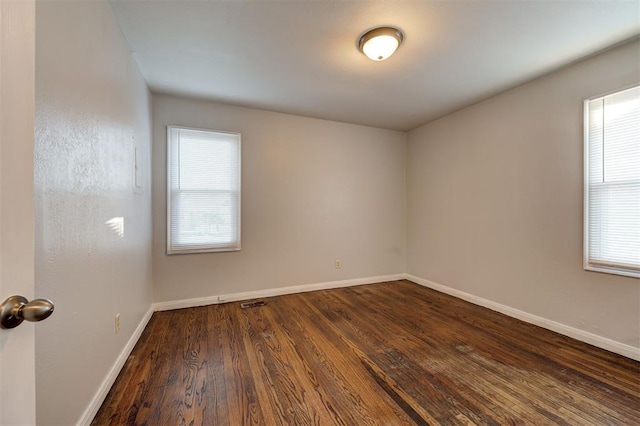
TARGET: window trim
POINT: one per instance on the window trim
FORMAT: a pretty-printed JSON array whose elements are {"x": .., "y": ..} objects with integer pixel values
[
  {"x": 235, "y": 247},
  {"x": 587, "y": 264}
]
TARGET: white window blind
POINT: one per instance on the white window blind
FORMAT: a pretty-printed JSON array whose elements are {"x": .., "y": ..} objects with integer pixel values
[
  {"x": 203, "y": 207},
  {"x": 612, "y": 183}
]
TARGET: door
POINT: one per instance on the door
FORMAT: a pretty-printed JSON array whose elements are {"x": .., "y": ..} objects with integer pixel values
[{"x": 17, "y": 109}]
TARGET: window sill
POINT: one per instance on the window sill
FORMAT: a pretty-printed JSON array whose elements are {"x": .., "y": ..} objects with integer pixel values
[
  {"x": 612, "y": 270},
  {"x": 203, "y": 250}
]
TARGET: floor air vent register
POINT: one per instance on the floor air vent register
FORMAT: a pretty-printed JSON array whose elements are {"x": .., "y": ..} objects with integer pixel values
[{"x": 253, "y": 304}]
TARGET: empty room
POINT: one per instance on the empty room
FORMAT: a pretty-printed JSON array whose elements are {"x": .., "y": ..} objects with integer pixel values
[{"x": 319, "y": 212}]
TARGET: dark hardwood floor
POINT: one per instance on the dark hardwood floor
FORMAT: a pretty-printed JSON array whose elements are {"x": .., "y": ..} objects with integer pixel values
[{"x": 392, "y": 354}]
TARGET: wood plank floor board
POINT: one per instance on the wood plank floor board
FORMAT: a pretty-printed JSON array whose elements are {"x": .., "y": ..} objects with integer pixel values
[
  {"x": 217, "y": 409},
  {"x": 495, "y": 370},
  {"x": 364, "y": 369},
  {"x": 390, "y": 354},
  {"x": 439, "y": 392},
  {"x": 240, "y": 376},
  {"x": 142, "y": 381},
  {"x": 342, "y": 376},
  {"x": 365, "y": 330},
  {"x": 580, "y": 359},
  {"x": 165, "y": 385},
  {"x": 285, "y": 389}
]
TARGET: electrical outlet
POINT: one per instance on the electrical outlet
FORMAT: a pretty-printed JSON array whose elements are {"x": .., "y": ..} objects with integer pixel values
[
  {"x": 118, "y": 322},
  {"x": 338, "y": 263}
]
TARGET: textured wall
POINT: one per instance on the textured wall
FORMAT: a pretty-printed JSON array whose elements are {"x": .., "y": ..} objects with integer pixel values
[
  {"x": 92, "y": 111},
  {"x": 312, "y": 191},
  {"x": 494, "y": 201}
]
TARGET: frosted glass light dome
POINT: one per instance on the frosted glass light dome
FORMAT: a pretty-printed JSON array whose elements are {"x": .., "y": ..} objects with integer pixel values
[{"x": 380, "y": 43}]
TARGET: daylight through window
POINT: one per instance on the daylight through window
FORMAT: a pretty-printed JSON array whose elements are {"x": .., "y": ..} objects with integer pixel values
[
  {"x": 203, "y": 211},
  {"x": 612, "y": 183}
]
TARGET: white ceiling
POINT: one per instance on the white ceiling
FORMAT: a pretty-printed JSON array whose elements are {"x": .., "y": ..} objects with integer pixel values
[{"x": 300, "y": 57}]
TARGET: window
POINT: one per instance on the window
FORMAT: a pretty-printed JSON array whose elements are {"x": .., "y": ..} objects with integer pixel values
[
  {"x": 612, "y": 183},
  {"x": 203, "y": 191}
]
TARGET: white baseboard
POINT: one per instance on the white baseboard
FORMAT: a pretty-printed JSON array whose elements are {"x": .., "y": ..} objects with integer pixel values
[
  {"x": 97, "y": 400},
  {"x": 234, "y": 297},
  {"x": 575, "y": 333}
]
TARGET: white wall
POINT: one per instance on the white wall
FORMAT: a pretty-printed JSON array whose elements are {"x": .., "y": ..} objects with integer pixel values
[
  {"x": 494, "y": 201},
  {"x": 312, "y": 191},
  {"x": 92, "y": 109}
]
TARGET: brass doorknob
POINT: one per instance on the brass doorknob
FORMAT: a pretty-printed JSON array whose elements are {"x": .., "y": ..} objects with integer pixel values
[{"x": 16, "y": 309}]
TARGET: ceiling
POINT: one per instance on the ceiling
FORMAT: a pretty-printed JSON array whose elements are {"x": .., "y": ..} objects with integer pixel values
[{"x": 300, "y": 57}]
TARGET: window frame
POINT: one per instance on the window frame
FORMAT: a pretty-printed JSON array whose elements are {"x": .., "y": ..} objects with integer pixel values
[
  {"x": 212, "y": 248},
  {"x": 588, "y": 264}
]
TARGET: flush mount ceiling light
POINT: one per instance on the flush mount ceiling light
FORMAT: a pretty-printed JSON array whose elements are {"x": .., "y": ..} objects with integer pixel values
[{"x": 380, "y": 43}]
